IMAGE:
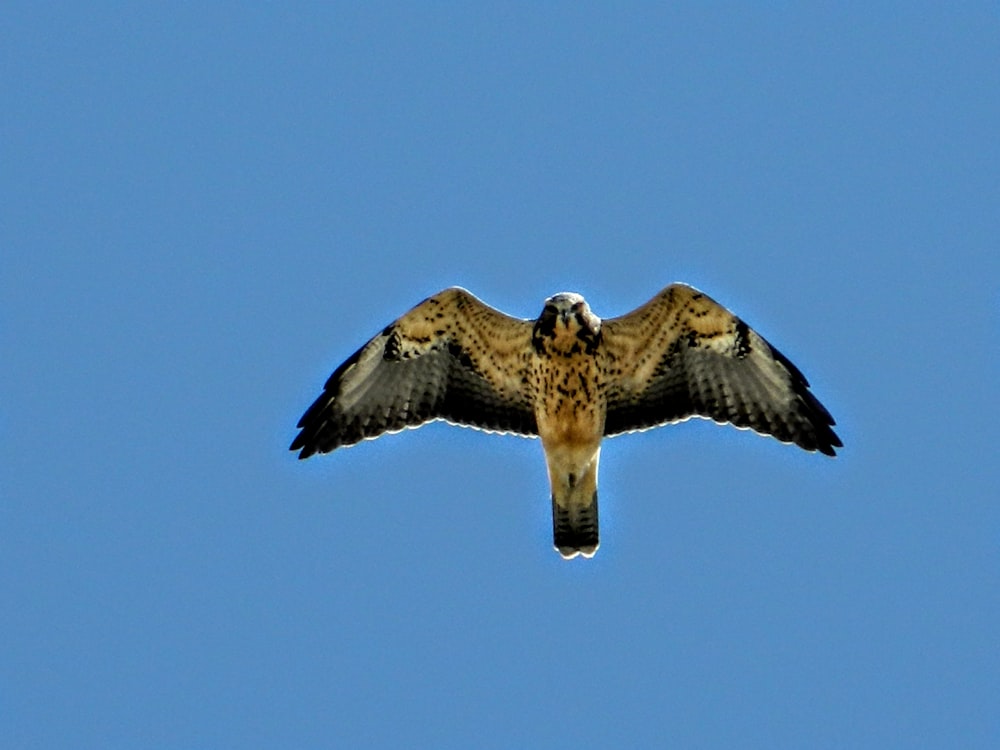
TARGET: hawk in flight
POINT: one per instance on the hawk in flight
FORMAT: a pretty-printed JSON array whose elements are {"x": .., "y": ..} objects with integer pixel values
[{"x": 570, "y": 379}]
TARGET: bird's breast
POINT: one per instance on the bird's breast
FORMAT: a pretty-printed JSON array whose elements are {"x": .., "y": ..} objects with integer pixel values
[{"x": 570, "y": 402}]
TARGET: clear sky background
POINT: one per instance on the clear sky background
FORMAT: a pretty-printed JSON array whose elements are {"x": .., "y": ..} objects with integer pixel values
[{"x": 206, "y": 207}]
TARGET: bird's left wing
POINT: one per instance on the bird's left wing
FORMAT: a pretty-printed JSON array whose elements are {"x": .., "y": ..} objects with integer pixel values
[
  {"x": 683, "y": 355},
  {"x": 451, "y": 357}
]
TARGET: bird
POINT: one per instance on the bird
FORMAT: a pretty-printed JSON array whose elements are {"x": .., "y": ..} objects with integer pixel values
[{"x": 570, "y": 379}]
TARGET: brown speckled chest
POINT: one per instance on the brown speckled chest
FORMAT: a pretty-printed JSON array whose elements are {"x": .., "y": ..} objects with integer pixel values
[{"x": 570, "y": 399}]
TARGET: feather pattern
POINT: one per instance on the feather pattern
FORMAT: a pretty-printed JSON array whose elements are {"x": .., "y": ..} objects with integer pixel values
[
  {"x": 683, "y": 355},
  {"x": 451, "y": 357}
]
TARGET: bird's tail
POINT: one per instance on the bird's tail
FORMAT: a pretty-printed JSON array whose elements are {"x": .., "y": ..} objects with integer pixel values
[
  {"x": 574, "y": 527},
  {"x": 574, "y": 512}
]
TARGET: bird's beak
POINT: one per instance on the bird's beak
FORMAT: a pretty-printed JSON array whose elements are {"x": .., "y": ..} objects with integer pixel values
[{"x": 564, "y": 315}]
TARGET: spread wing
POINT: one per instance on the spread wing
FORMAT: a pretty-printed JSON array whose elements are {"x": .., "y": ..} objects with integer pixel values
[
  {"x": 684, "y": 355},
  {"x": 451, "y": 357}
]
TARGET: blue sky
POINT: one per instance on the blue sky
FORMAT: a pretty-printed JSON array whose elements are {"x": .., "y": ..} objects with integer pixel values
[{"x": 206, "y": 207}]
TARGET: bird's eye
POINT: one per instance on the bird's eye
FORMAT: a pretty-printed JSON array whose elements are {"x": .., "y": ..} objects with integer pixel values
[{"x": 577, "y": 306}]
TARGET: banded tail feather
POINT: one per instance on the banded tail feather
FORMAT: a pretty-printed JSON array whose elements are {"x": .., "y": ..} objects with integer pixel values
[{"x": 575, "y": 527}]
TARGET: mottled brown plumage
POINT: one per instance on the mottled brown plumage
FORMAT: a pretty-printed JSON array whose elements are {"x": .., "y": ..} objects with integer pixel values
[{"x": 570, "y": 379}]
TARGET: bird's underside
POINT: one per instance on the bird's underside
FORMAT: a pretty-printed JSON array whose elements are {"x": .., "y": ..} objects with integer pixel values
[{"x": 570, "y": 379}]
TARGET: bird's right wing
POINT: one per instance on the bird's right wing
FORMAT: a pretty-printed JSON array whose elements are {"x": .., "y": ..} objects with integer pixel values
[{"x": 451, "y": 357}]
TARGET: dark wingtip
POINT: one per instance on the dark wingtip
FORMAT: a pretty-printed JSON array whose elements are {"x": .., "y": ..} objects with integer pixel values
[
  {"x": 828, "y": 441},
  {"x": 834, "y": 443},
  {"x": 299, "y": 444},
  {"x": 313, "y": 424},
  {"x": 306, "y": 440}
]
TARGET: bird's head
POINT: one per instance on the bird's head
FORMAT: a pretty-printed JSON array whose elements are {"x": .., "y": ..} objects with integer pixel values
[{"x": 567, "y": 325}]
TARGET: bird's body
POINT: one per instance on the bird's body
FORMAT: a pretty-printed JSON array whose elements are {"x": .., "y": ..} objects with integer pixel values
[{"x": 568, "y": 378}]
